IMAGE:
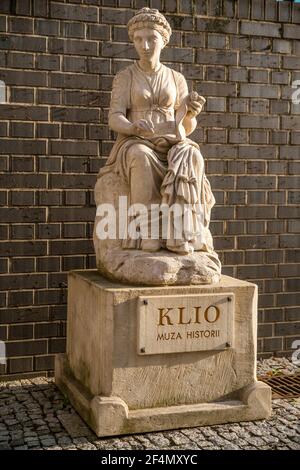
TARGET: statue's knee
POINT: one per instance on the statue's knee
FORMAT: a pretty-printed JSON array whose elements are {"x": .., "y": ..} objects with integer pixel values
[{"x": 138, "y": 155}]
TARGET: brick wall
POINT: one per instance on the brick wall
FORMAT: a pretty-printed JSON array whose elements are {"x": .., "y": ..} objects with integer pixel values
[{"x": 58, "y": 60}]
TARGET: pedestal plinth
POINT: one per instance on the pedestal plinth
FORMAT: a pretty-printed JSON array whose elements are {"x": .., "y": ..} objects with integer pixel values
[{"x": 143, "y": 359}]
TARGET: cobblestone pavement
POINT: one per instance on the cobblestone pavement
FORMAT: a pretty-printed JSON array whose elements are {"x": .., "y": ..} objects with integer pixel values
[
  {"x": 35, "y": 415},
  {"x": 275, "y": 365}
]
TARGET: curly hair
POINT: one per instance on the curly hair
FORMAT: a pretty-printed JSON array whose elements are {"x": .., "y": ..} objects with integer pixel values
[{"x": 149, "y": 18}]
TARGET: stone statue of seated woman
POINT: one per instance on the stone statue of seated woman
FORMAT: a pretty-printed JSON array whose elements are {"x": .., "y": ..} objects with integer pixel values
[{"x": 154, "y": 179}]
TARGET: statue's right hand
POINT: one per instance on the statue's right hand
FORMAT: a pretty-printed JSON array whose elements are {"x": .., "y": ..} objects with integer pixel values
[{"x": 142, "y": 127}]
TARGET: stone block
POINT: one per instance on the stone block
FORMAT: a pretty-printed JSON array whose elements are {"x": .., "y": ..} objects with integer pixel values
[{"x": 120, "y": 389}]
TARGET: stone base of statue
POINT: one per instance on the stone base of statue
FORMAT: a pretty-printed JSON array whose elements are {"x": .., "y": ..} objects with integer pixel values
[
  {"x": 144, "y": 268},
  {"x": 143, "y": 359}
]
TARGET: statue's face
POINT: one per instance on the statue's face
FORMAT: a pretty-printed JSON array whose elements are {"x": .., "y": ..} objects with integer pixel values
[{"x": 148, "y": 43}]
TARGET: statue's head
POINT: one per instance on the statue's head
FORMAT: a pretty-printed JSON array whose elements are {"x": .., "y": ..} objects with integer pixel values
[{"x": 150, "y": 32}]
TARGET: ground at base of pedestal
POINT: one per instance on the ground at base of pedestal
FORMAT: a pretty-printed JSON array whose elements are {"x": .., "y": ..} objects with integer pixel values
[
  {"x": 109, "y": 416},
  {"x": 34, "y": 414}
]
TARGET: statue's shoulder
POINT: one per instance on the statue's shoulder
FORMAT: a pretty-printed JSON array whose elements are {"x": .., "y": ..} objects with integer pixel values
[
  {"x": 124, "y": 74},
  {"x": 177, "y": 75}
]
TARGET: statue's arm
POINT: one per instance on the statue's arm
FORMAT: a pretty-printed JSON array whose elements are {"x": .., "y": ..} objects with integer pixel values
[
  {"x": 189, "y": 123},
  {"x": 193, "y": 107},
  {"x": 119, "y": 104},
  {"x": 119, "y": 123}
]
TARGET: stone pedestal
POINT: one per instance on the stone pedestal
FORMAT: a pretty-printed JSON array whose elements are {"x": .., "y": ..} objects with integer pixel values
[{"x": 143, "y": 359}]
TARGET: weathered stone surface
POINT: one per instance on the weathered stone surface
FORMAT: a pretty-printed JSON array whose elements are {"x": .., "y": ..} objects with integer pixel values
[
  {"x": 153, "y": 114},
  {"x": 105, "y": 376},
  {"x": 141, "y": 267}
]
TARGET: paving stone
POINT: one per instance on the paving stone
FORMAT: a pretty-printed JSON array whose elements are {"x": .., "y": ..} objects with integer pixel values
[
  {"x": 231, "y": 446},
  {"x": 208, "y": 431},
  {"x": 255, "y": 430},
  {"x": 159, "y": 439},
  {"x": 33, "y": 443},
  {"x": 11, "y": 422},
  {"x": 38, "y": 422},
  {"x": 178, "y": 438},
  {"x": 145, "y": 442},
  {"x": 48, "y": 442},
  {"x": 119, "y": 444},
  {"x": 270, "y": 439},
  {"x": 55, "y": 428},
  {"x": 4, "y": 447},
  {"x": 45, "y": 437},
  {"x": 64, "y": 441},
  {"x": 30, "y": 434},
  {"x": 55, "y": 447},
  {"x": 134, "y": 443},
  {"x": 86, "y": 446},
  {"x": 103, "y": 444},
  {"x": 43, "y": 430},
  {"x": 33, "y": 416}
]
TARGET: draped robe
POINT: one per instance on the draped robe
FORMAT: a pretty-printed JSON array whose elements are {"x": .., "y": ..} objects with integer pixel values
[{"x": 174, "y": 161}]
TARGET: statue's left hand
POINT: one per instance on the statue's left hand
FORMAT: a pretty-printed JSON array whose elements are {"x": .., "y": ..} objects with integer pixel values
[{"x": 195, "y": 103}]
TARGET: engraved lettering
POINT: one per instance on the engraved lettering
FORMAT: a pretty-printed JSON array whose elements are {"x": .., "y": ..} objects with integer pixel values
[
  {"x": 197, "y": 310},
  {"x": 195, "y": 334},
  {"x": 217, "y": 314},
  {"x": 168, "y": 336},
  {"x": 181, "y": 322},
  {"x": 164, "y": 315}
]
